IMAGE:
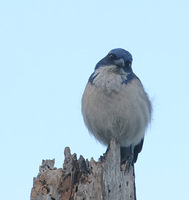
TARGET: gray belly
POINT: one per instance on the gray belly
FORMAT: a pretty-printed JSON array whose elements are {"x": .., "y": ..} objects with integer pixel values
[{"x": 123, "y": 114}]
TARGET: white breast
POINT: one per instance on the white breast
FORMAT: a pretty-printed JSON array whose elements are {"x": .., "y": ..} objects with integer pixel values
[{"x": 114, "y": 110}]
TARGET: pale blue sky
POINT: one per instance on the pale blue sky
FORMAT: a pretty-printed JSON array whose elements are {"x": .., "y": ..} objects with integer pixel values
[{"x": 48, "y": 49}]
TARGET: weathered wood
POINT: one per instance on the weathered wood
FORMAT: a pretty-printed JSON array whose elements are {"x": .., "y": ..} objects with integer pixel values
[{"x": 80, "y": 179}]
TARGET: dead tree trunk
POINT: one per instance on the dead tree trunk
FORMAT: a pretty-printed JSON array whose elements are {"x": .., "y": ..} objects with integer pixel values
[{"x": 84, "y": 180}]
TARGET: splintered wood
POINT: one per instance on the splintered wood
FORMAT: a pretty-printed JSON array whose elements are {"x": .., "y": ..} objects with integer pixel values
[{"x": 80, "y": 179}]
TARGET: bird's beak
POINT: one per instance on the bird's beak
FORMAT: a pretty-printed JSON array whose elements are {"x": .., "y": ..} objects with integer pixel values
[{"x": 120, "y": 62}]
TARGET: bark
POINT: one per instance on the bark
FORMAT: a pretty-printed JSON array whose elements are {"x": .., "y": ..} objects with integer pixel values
[{"x": 80, "y": 179}]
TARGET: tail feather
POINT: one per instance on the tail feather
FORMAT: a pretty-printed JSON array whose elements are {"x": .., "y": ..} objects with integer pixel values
[{"x": 137, "y": 150}]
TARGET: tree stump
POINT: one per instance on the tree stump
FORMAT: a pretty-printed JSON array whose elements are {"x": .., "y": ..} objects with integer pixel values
[{"x": 80, "y": 179}]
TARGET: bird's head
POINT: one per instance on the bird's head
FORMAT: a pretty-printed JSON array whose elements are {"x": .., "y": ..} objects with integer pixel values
[{"x": 119, "y": 58}]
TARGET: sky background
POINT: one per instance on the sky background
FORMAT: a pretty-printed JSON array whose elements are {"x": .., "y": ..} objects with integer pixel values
[{"x": 48, "y": 50}]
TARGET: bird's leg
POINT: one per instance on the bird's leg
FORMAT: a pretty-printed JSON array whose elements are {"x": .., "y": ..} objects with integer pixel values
[
  {"x": 130, "y": 159},
  {"x": 127, "y": 157}
]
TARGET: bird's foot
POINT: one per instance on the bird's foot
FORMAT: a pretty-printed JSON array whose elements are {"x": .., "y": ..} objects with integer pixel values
[
  {"x": 129, "y": 163},
  {"x": 127, "y": 158}
]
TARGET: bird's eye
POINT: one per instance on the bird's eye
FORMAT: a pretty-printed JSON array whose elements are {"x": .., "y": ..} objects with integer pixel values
[
  {"x": 128, "y": 64},
  {"x": 112, "y": 56}
]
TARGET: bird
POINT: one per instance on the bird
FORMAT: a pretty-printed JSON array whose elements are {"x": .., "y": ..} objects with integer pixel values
[{"x": 116, "y": 105}]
